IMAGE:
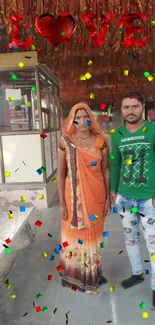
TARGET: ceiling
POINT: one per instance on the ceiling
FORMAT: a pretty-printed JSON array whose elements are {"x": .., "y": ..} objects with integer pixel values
[{"x": 108, "y": 82}]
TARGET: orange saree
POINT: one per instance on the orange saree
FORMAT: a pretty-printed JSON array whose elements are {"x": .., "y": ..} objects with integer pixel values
[{"x": 84, "y": 196}]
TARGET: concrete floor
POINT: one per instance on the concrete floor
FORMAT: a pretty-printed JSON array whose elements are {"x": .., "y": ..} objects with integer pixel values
[{"x": 29, "y": 277}]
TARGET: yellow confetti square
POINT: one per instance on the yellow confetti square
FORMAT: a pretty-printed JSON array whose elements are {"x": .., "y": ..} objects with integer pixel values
[
  {"x": 28, "y": 104},
  {"x": 7, "y": 174},
  {"x": 44, "y": 255},
  {"x": 92, "y": 96},
  {"x": 112, "y": 288},
  {"x": 11, "y": 215},
  {"x": 13, "y": 295},
  {"x": 82, "y": 77},
  {"x": 21, "y": 64},
  {"x": 145, "y": 314},
  {"x": 54, "y": 180},
  {"x": 41, "y": 196},
  {"x": 150, "y": 78},
  {"x": 112, "y": 131},
  {"x": 88, "y": 75},
  {"x": 126, "y": 73},
  {"x": 97, "y": 217},
  {"x": 32, "y": 48},
  {"x": 153, "y": 257},
  {"x": 90, "y": 62},
  {"x": 153, "y": 22},
  {"x": 23, "y": 198},
  {"x": 145, "y": 129},
  {"x": 8, "y": 286},
  {"x": 128, "y": 161},
  {"x": 11, "y": 99}
]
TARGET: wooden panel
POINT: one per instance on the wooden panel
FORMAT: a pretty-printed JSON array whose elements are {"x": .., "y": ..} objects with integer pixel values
[{"x": 11, "y": 60}]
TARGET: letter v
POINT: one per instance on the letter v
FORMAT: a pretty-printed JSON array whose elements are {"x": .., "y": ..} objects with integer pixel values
[{"x": 97, "y": 40}]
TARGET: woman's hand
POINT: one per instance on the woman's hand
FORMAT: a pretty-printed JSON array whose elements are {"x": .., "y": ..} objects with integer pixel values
[
  {"x": 107, "y": 209},
  {"x": 63, "y": 211}
]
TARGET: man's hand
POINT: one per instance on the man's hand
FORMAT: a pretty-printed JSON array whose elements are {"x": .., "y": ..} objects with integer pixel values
[
  {"x": 153, "y": 202},
  {"x": 113, "y": 196}
]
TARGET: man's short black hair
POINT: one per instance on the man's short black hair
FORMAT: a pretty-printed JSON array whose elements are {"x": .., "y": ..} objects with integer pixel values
[{"x": 135, "y": 94}]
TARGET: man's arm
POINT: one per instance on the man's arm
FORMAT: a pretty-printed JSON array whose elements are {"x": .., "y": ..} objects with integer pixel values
[{"x": 115, "y": 166}]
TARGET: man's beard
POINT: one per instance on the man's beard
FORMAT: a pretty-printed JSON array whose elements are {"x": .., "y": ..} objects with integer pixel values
[{"x": 134, "y": 121}]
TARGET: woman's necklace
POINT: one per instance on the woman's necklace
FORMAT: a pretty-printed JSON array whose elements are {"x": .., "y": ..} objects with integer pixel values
[{"x": 82, "y": 141}]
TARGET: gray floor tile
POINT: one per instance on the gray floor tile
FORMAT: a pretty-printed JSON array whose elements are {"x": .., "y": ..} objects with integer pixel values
[{"x": 29, "y": 277}]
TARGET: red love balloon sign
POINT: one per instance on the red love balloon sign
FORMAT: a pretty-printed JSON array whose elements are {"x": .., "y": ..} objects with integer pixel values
[{"x": 56, "y": 30}]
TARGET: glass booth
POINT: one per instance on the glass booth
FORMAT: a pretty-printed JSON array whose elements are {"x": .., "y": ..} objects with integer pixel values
[{"x": 29, "y": 106}]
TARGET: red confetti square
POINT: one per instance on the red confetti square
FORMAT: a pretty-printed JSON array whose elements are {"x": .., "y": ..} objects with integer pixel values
[
  {"x": 38, "y": 223},
  {"x": 43, "y": 135},
  {"x": 65, "y": 244},
  {"x": 102, "y": 106},
  {"x": 26, "y": 26},
  {"x": 74, "y": 288},
  {"x": 38, "y": 49},
  {"x": 59, "y": 268},
  {"x": 8, "y": 241},
  {"x": 80, "y": 38},
  {"x": 50, "y": 277},
  {"x": 38, "y": 309}
]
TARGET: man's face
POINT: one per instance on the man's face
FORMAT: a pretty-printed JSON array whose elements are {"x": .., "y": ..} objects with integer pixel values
[{"x": 132, "y": 110}]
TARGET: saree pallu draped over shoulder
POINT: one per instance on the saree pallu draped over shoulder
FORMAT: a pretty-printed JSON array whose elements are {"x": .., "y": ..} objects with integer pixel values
[{"x": 84, "y": 196}]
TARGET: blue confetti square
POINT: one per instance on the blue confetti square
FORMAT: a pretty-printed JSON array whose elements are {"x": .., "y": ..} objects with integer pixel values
[
  {"x": 14, "y": 48},
  {"x": 51, "y": 258},
  {"x": 133, "y": 56},
  {"x": 22, "y": 208},
  {"x": 93, "y": 163},
  {"x": 88, "y": 123},
  {"x": 105, "y": 234},
  {"x": 75, "y": 122},
  {"x": 50, "y": 235},
  {"x": 39, "y": 171},
  {"x": 56, "y": 250},
  {"x": 80, "y": 241},
  {"x": 59, "y": 247},
  {"x": 115, "y": 210},
  {"x": 146, "y": 272},
  {"x": 92, "y": 217}
]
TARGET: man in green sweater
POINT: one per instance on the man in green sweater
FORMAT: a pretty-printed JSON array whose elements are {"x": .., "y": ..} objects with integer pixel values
[{"x": 132, "y": 182}]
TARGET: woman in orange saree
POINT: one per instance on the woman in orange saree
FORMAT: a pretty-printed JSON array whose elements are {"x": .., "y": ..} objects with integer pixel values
[{"x": 83, "y": 184}]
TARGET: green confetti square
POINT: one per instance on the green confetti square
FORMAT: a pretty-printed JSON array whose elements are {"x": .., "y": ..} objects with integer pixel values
[
  {"x": 33, "y": 88},
  {"x": 146, "y": 74},
  {"x": 111, "y": 156},
  {"x": 38, "y": 296},
  {"x": 134, "y": 210},
  {"x": 102, "y": 245},
  {"x": 142, "y": 305},
  {"x": 43, "y": 169},
  {"x": 86, "y": 85},
  {"x": 14, "y": 77},
  {"x": 8, "y": 250},
  {"x": 44, "y": 309},
  {"x": 62, "y": 33}
]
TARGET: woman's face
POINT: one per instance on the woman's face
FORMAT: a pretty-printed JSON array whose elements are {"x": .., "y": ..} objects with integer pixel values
[{"x": 81, "y": 118}]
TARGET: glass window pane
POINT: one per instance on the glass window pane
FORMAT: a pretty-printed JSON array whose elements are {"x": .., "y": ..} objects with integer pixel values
[
  {"x": 18, "y": 102},
  {"x": 52, "y": 107}
]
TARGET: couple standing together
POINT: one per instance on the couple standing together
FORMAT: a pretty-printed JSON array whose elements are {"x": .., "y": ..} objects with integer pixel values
[{"x": 86, "y": 192}]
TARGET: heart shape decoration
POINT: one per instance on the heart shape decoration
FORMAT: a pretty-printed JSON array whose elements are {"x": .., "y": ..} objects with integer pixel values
[{"x": 56, "y": 30}]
